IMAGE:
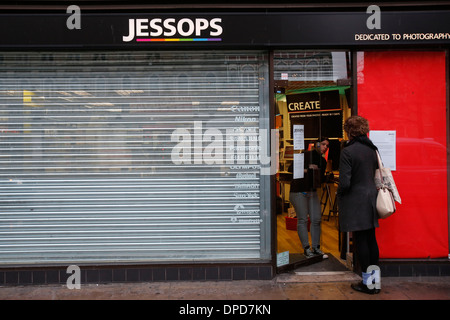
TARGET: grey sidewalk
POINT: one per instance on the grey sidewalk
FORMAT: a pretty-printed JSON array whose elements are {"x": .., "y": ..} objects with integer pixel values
[{"x": 292, "y": 286}]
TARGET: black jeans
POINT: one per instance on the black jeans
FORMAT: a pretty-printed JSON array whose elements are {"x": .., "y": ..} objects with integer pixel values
[{"x": 366, "y": 248}]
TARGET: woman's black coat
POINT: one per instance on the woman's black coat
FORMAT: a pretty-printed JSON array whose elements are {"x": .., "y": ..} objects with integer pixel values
[{"x": 357, "y": 192}]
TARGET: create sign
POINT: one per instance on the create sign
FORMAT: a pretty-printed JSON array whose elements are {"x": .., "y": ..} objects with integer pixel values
[{"x": 313, "y": 101}]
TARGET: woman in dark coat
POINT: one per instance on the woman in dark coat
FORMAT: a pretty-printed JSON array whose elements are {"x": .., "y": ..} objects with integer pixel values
[{"x": 357, "y": 196}]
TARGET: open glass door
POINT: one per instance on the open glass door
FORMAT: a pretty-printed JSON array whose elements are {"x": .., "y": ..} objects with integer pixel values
[{"x": 313, "y": 98}]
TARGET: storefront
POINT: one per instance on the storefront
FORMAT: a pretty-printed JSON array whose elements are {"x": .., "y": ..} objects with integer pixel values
[{"x": 148, "y": 145}]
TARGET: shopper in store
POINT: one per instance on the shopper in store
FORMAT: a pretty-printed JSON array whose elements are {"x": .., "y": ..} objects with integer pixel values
[
  {"x": 357, "y": 195},
  {"x": 304, "y": 198}
]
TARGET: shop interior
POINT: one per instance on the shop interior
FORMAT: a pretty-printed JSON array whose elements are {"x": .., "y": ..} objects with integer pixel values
[{"x": 320, "y": 109}]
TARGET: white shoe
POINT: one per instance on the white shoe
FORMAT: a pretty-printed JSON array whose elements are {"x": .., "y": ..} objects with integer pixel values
[{"x": 317, "y": 251}]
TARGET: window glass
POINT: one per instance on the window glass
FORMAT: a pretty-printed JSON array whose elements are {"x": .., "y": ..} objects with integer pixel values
[{"x": 405, "y": 92}]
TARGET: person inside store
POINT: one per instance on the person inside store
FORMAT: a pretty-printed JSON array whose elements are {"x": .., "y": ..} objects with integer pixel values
[
  {"x": 304, "y": 198},
  {"x": 357, "y": 196}
]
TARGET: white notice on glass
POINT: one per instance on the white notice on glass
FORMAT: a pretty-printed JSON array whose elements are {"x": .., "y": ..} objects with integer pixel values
[
  {"x": 282, "y": 258},
  {"x": 385, "y": 141},
  {"x": 299, "y": 162},
  {"x": 299, "y": 137}
]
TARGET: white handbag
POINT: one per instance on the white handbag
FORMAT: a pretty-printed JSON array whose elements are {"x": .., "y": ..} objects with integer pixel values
[
  {"x": 385, "y": 185},
  {"x": 385, "y": 203}
]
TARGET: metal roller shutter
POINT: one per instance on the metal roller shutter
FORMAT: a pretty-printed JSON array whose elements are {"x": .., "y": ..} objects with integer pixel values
[{"x": 132, "y": 157}]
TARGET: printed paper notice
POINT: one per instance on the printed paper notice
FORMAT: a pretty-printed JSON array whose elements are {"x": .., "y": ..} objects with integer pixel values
[
  {"x": 299, "y": 137},
  {"x": 282, "y": 258},
  {"x": 385, "y": 141},
  {"x": 299, "y": 162}
]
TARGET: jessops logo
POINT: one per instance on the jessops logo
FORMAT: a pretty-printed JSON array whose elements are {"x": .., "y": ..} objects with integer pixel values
[{"x": 171, "y": 29}]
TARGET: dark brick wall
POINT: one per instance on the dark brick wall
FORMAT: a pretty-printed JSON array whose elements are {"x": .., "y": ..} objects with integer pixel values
[
  {"x": 415, "y": 268},
  {"x": 93, "y": 275}
]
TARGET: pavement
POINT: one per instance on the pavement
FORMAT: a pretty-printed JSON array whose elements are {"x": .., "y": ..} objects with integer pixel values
[
  {"x": 286, "y": 294},
  {"x": 292, "y": 286}
]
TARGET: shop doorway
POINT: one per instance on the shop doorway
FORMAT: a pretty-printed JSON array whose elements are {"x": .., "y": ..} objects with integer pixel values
[{"x": 313, "y": 93}]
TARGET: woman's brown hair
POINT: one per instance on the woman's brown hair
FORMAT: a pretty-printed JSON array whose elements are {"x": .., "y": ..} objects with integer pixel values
[{"x": 356, "y": 126}]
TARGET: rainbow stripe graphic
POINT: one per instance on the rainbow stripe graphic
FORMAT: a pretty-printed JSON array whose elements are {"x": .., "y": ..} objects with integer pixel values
[{"x": 176, "y": 39}]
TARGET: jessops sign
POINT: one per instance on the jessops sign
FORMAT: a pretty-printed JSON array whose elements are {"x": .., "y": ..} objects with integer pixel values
[
  {"x": 171, "y": 29},
  {"x": 78, "y": 29}
]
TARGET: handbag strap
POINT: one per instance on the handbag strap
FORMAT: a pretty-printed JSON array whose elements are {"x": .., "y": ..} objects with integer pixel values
[
  {"x": 380, "y": 163},
  {"x": 380, "y": 166}
]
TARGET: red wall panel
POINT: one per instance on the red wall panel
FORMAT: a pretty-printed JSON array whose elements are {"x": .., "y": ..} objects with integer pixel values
[{"x": 406, "y": 91}]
